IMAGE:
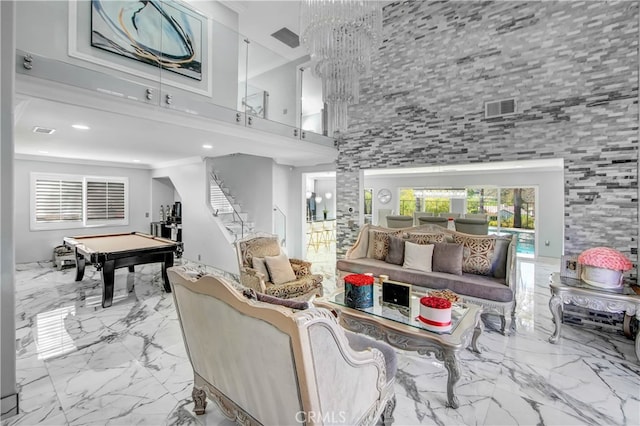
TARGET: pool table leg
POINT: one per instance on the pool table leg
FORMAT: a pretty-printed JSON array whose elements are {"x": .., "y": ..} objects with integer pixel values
[
  {"x": 79, "y": 266},
  {"x": 108, "y": 274},
  {"x": 168, "y": 263}
]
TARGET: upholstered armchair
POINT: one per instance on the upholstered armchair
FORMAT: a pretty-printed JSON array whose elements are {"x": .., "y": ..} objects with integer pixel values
[
  {"x": 263, "y": 363},
  {"x": 282, "y": 277}
]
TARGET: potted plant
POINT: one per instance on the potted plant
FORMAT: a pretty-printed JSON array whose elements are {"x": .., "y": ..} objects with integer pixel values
[{"x": 325, "y": 212}]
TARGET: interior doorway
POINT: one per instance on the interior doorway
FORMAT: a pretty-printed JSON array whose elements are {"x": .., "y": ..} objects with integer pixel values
[{"x": 319, "y": 244}]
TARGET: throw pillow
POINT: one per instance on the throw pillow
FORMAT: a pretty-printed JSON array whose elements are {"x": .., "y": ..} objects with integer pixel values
[
  {"x": 396, "y": 251},
  {"x": 280, "y": 269},
  {"x": 478, "y": 252},
  {"x": 418, "y": 256},
  {"x": 499, "y": 261},
  {"x": 250, "y": 293},
  {"x": 447, "y": 257},
  {"x": 426, "y": 238},
  {"x": 260, "y": 266},
  {"x": 379, "y": 243}
]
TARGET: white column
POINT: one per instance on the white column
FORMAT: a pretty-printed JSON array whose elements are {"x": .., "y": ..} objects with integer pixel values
[{"x": 7, "y": 257}]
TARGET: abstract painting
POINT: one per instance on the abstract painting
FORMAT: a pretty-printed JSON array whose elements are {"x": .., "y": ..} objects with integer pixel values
[{"x": 164, "y": 34}]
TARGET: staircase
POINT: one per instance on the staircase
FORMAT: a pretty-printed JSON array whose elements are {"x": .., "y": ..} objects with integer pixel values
[{"x": 227, "y": 210}]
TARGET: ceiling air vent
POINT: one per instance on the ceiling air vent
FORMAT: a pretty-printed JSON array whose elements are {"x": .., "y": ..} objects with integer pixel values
[
  {"x": 499, "y": 108},
  {"x": 44, "y": 130},
  {"x": 288, "y": 37}
]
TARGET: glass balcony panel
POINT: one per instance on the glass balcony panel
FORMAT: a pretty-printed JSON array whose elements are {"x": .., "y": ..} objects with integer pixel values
[
  {"x": 272, "y": 87},
  {"x": 312, "y": 116},
  {"x": 203, "y": 60}
]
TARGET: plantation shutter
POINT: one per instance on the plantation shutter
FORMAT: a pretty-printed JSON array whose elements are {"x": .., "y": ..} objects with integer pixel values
[
  {"x": 105, "y": 200},
  {"x": 58, "y": 200}
]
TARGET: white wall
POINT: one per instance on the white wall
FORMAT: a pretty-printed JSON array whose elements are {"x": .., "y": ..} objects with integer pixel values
[
  {"x": 282, "y": 197},
  {"x": 550, "y": 206},
  {"x": 33, "y": 246},
  {"x": 163, "y": 193},
  {"x": 202, "y": 236},
  {"x": 250, "y": 180}
]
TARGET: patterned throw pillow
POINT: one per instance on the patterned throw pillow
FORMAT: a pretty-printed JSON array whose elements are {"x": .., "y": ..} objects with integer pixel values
[
  {"x": 426, "y": 238},
  {"x": 379, "y": 243},
  {"x": 477, "y": 252}
]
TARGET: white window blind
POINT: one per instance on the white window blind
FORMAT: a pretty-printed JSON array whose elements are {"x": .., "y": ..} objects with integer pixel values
[
  {"x": 105, "y": 200},
  {"x": 58, "y": 200}
]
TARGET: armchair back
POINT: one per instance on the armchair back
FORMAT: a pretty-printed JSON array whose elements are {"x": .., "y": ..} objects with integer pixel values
[{"x": 242, "y": 349}]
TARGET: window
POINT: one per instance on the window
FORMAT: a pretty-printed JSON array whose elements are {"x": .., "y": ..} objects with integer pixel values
[{"x": 68, "y": 201}]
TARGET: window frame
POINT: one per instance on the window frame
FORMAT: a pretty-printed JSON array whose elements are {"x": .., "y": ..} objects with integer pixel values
[{"x": 83, "y": 222}]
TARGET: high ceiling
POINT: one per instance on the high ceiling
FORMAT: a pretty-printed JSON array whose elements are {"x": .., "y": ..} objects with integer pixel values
[{"x": 128, "y": 134}]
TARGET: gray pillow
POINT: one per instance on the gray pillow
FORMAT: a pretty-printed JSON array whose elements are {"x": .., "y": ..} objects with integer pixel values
[
  {"x": 447, "y": 257},
  {"x": 499, "y": 260},
  {"x": 396, "y": 251}
]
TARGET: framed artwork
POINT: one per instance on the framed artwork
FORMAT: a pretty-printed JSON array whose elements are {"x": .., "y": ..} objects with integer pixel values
[
  {"x": 162, "y": 33},
  {"x": 570, "y": 267}
]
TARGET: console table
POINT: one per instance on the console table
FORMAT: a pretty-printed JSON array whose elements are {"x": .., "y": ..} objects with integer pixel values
[{"x": 569, "y": 290}]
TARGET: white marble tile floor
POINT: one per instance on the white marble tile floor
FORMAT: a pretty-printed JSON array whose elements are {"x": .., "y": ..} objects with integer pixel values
[{"x": 80, "y": 364}]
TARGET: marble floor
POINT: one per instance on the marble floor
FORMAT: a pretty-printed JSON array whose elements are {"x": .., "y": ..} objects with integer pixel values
[{"x": 78, "y": 363}]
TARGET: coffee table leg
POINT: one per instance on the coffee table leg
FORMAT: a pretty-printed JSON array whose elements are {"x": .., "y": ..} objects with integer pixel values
[
  {"x": 476, "y": 334},
  {"x": 451, "y": 363},
  {"x": 555, "y": 306}
]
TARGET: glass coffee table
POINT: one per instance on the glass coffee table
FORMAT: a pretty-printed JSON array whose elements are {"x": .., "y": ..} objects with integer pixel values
[
  {"x": 400, "y": 327},
  {"x": 570, "y": 290}
]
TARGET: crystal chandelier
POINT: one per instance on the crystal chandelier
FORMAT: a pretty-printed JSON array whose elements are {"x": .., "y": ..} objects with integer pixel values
[{"x": 341, "y": 36}]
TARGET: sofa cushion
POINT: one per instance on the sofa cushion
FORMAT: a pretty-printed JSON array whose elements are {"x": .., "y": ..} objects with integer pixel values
[
  {"x": 447, "y": 257},
  {"x": 426, "y": 237},
  {"x": 360, "y": 342},
  {"x": 379, "y": 243},
  {"x": 259, "y": 265},
  {"x": 478, "y": 252},
  {"x": 418, "y": 256},
  {"x": 472, "y": 285},
  {"x": 280, "y": 270},
  {"x": 396, "y": 251}
]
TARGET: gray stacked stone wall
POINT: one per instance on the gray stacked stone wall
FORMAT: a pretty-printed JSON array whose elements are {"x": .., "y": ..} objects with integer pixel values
[{"x": 572, "y": 68}]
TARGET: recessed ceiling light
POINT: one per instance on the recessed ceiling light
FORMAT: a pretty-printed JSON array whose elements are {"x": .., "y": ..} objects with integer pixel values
[
  {"x": 136, "y": 161},
  {"x": 46, "y": 131},
  {"x": 43, "y": 152},
  {"x": 207, "y": 146},
  {"x": 80, "y": 126}
]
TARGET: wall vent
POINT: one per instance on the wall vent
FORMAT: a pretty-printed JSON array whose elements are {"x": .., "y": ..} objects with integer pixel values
[
  {"x": 288, "y": 37},
  {"x": 499, "y": 108},
  {"x": 44, "y": 130}
]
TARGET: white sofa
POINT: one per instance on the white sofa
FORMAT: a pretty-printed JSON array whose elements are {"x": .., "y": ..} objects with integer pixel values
[{"x": 268, "y": 364}]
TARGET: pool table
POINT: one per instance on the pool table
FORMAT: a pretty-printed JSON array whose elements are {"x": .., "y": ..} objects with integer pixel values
[{"x": 112, "y": 251}]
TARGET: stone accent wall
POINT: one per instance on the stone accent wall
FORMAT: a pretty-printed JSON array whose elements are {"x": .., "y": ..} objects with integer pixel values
[{"x": 573, "y": 69}]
